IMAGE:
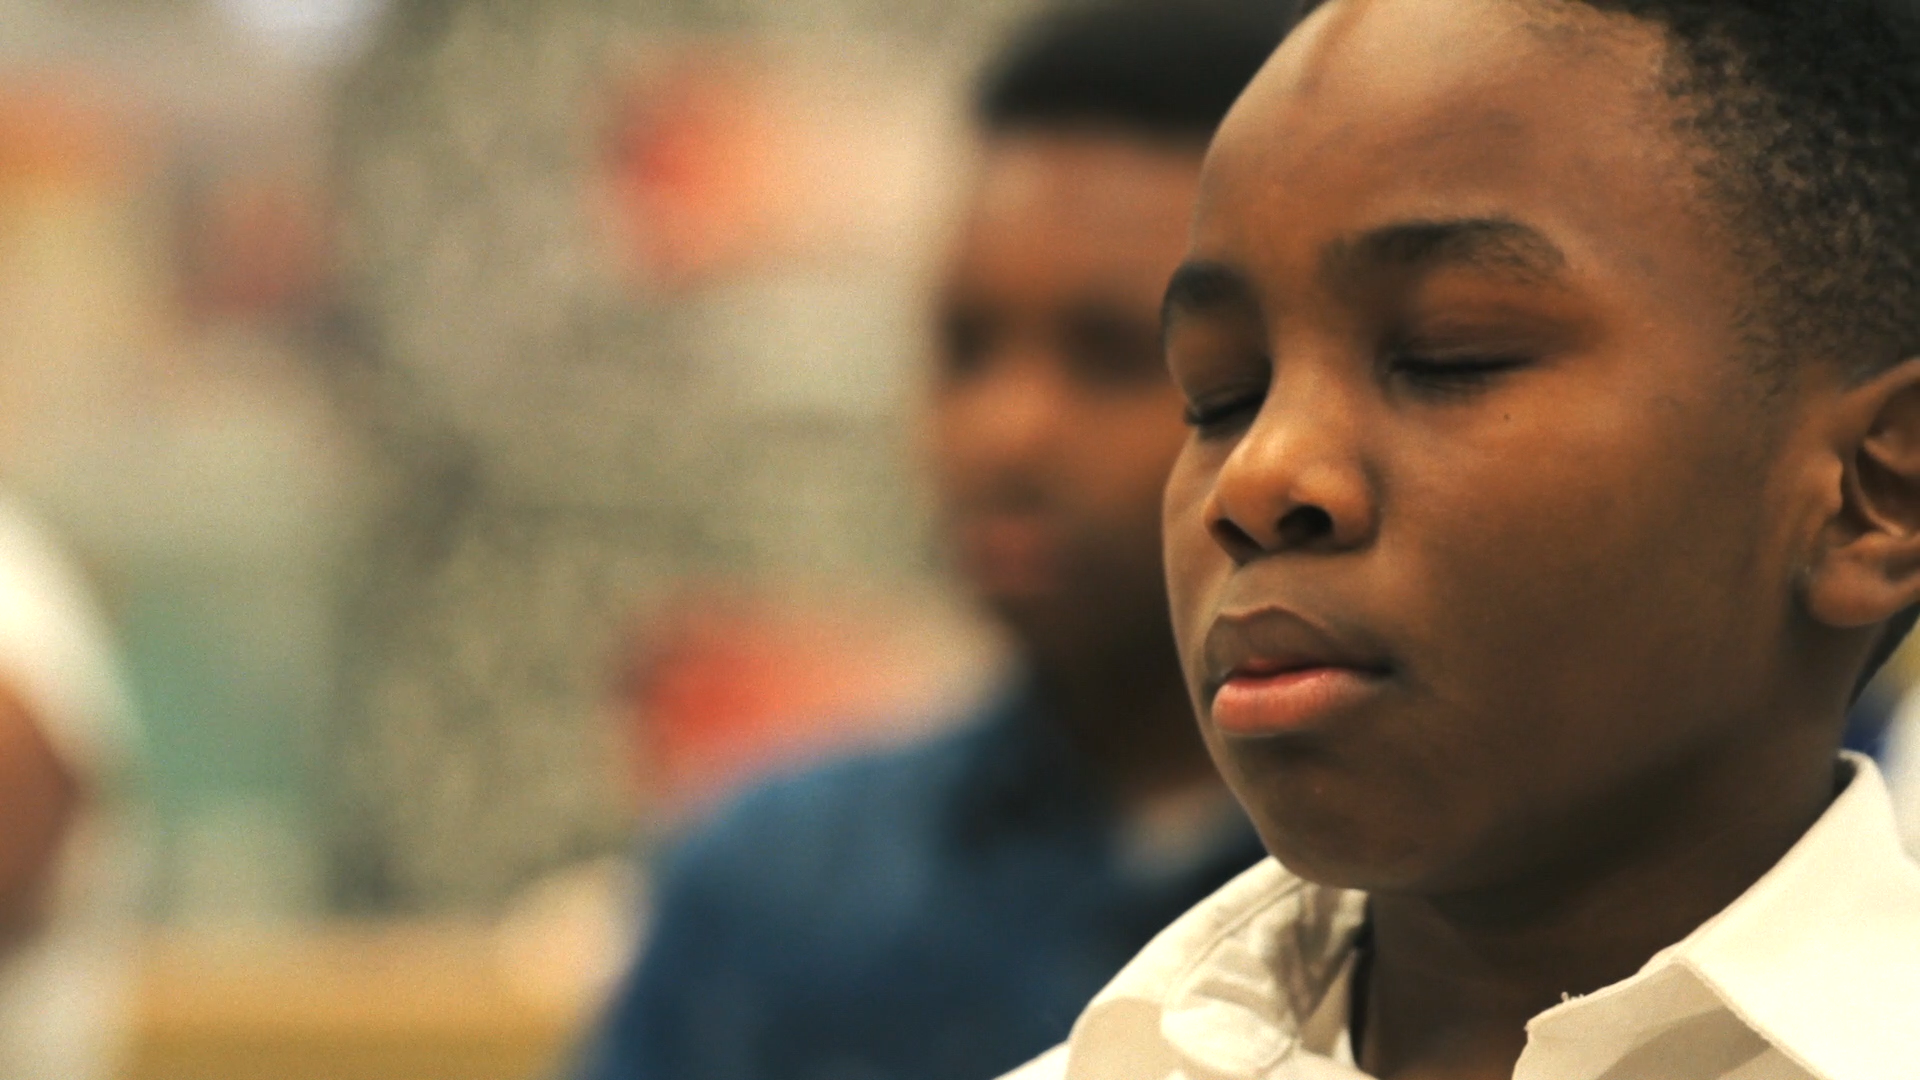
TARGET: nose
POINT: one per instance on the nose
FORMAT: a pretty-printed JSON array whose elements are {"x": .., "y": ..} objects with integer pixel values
[
  {"x": 1297, "y": 480},
  {"x": 1008, "y": 414}
]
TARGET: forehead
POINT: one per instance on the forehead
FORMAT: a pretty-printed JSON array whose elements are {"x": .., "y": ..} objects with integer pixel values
[
  {"x": 1091, "y": 178},
  {"x": 1383, "y": 110},
  {"x": 1086, "y": 203}
]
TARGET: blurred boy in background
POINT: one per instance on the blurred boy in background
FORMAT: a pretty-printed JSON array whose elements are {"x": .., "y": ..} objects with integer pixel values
[
  {"x": 945, "y": 911},
  {"x": 65, "y": 872}
]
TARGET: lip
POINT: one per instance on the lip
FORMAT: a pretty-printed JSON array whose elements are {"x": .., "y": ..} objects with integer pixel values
[
  {"x": 1289, "y": 701},
  {"x": 1010, "y": 554},
  {"x": 1274, "y": 672}
]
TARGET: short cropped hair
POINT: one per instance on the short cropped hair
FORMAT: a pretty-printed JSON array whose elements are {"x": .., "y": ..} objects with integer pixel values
[
  {"x": 1161, "y": 69},
  {"x": 1809, "y": 113}
]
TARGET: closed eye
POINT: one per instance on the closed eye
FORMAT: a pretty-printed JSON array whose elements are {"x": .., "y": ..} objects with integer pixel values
[
  {"x": 1452, "y": 375},
  {"x": 1220, "y": 414}
]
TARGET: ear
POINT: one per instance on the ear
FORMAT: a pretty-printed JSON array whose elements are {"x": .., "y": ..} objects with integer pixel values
[{"x": 1868, "y": 567}]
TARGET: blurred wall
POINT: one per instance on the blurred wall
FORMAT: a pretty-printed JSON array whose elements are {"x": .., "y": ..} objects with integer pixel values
[
  {"x": 165, "y": 401},
  {"x": 407, "y": 371},
  {"x": 635, "y": 291}
]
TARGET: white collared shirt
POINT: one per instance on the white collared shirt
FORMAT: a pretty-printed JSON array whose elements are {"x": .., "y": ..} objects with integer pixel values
[
  {"x": 1902, "y": 767},
  {"x": 1813, "y": 974}
]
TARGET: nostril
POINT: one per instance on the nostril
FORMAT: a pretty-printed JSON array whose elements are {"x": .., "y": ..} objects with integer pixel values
[
  {"x": 1305, "y": 525},
  {"x": 1233, "y": 539}
]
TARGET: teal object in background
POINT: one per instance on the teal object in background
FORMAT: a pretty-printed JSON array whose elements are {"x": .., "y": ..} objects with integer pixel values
[{"x": 229, "y": 683}]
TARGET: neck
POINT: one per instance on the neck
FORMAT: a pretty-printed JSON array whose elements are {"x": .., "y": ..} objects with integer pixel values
[
  {"x": 1132, "y": 724},
  {"x": 1456, "y": 978}
]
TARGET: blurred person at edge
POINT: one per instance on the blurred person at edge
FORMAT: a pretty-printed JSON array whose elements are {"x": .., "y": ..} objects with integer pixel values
[
  {"x": 943, "y": 912},
  {"x": 67, "y": 873}
]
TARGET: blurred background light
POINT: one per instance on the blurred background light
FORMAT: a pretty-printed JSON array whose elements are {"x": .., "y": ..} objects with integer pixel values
[{"x": 306, "y": 30}]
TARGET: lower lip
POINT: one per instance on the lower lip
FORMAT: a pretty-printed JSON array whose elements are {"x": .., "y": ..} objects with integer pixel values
[
  {"x": 1289, "y": 701},
  {"x": 1013, "y": 557}
]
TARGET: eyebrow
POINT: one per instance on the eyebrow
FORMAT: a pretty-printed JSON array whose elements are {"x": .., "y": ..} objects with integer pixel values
[
  {"x": 1202, "y": 285},
  {"x": 1495, "y": 245}
]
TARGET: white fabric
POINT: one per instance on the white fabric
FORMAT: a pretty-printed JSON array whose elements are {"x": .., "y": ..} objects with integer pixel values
[
  {"x": 55, "y": 651},
  {"x": 1813, "y": 974},
  {"x": 1903, "y": 768},
  {"x": 63, "y": 994}
]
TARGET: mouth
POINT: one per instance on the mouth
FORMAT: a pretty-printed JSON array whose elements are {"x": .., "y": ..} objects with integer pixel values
[
  {"x": 1010, "y": 554},
  {"x": 1273, "y": 673}
]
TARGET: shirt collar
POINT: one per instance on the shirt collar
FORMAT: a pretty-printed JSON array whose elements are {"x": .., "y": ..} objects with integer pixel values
[
  {"x": 1825, "y": 942},
  {"x": 1226, "y": 990}
]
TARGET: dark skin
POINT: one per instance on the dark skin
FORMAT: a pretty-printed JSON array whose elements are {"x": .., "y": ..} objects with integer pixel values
[
  {"x": 1479, "y": 430},
  {"x": 1053, "y": 427}
]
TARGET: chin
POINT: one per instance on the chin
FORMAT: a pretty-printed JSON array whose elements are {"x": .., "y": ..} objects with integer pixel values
[
  {"x": 1324, "y": 827},
  {"x": 1051, "y": 629},
  {"x": 1372, "y": 871},
  {"x": 1034, "y": 620}
]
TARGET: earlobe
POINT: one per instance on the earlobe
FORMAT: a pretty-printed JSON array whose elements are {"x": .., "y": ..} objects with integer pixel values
[{"x": 1869, "y": 567}]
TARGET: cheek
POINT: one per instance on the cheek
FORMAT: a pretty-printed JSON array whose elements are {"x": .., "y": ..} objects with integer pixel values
[
  {"x": 1196, "y": 567},
  {"x": 1124, "y": 448},
  {"x": 959, "y": 442},
  {"x": 940, "y": 444},
  {"x": 1113, "y": 474},
  {"x": 1586, "y": 566}
]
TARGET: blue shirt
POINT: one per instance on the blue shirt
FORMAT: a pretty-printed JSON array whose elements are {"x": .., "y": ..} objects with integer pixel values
[{"x": 938, "y": 913}]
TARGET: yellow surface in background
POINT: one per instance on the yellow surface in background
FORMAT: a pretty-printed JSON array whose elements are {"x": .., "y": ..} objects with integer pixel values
[{"x": 359, "y": 1003}]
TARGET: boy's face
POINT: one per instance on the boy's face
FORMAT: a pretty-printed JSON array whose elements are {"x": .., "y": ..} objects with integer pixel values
[
  {"x": 1053, "y": 423},
  {"x": 1488, "y": 527}
]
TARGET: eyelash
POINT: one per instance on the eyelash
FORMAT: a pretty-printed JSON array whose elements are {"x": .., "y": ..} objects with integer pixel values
[
  {"x": 1437, "y": 377},
  {"x": 1213, "y": 418},
  {"x": 1455, "y": 376}
]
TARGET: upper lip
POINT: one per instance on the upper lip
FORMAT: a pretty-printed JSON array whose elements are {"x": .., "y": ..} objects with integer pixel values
[{"x": 1272, "y": 641}]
